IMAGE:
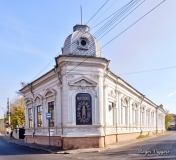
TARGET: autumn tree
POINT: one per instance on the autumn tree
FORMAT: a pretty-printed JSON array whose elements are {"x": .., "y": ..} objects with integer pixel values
[
  {"x": 17, "y": 112},
  {"x": 169, "y": 118}
]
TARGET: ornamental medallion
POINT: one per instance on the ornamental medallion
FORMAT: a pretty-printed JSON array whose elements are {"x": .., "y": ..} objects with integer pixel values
[{"x": 83, "y": 109}]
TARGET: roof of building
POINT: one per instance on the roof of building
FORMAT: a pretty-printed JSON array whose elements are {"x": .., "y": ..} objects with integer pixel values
[{"x": 81, "y": 42}]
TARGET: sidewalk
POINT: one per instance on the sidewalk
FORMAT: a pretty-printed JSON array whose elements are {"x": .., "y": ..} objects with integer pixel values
[{"x": 57, "y": 150}]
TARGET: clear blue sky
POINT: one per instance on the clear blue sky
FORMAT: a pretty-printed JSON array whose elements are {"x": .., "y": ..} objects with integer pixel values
[{"x": 33, "y": 32}]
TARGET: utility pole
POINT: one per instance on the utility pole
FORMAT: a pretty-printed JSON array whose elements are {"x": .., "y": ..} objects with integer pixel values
[
  {"x": 4, "y": 126},
  {"x": 8, "y": 108}
]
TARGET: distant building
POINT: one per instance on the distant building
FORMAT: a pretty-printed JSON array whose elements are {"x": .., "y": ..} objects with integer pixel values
[
  {"x": 90, "y": 106},
  {"x": 173, "y": 123},
  {"x": 2, "y": 125}
]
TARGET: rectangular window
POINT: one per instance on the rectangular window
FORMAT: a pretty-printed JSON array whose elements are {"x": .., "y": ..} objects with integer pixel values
[
  {"x": 51, "y": 110},
  {"x": 30, "y": 117},
  {"x": 39, "y": 116}
]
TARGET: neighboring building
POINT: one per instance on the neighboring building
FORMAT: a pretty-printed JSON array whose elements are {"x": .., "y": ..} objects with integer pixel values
[
  {"x": 90, "y": 106},
  {"x": 173, "y": 123},
  {"x": 2, "y": 125}
]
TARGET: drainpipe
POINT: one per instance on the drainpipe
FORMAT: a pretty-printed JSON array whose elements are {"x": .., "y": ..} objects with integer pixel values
[
  {"x": 57, "y": 75},
  {"x": 30, "y": 88}
]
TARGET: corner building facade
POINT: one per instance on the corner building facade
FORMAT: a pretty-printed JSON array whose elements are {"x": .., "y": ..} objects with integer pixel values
[{"x": 90, "y": 106}]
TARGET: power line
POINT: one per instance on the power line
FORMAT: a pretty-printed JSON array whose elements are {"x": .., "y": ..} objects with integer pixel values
[
  {"x": 158, "y": 69},
  {"x": 117, "y": 16},
  {"x": 121, "y": 20},
  {"x": 134, "y": 23},
  {"x": 118, "y": 35},
  {"x": 110, "y": 15},
  {"x": 99, "y": 29},
  {"x": 97, "y": 11},
  {"x": 69, "y": 44},
  {"x": 104, "y": 12}
]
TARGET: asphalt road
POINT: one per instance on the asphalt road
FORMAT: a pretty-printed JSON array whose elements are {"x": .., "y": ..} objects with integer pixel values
[
  {"x": 161, "y": 147},
  {"x": 147, "y": 149}
]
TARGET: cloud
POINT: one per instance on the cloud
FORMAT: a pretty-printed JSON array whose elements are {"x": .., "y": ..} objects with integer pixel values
[{"x": 171, "y": 94}]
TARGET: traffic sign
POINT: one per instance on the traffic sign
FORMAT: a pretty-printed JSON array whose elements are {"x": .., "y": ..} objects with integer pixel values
[{"x": 48, "y": 116}]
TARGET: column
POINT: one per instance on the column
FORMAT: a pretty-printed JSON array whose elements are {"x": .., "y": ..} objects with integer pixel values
[
  {"x": 105, "y": 107},
  {"x": 139, "y": 116},
  {"x": 59, "y": 105},
  {"x": 156, "y": 120},
  {"x": 130, "y": 113},
  {"x": 100, "y": 106},
  {"x": 117, "y": 108}
]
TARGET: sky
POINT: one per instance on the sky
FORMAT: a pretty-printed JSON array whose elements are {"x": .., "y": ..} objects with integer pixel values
[{"x": 33, "y": 32}]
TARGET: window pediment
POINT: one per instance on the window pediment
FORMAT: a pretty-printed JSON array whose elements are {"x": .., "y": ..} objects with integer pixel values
[
  {"x": 83, "y": 82},
  {"x": 38, "y": 99},
  {"x": 28, "y": 101},
  {"x": 49, "y": 93}
]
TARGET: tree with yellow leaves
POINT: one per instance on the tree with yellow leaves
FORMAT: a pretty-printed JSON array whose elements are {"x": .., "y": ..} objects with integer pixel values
[
  {"x": 169, "y": 118},
  {"x": 17, "y": 112}
]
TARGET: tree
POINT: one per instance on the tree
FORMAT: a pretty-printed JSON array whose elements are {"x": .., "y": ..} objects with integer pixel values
[
  {"x": 169, "y": 118},
  {"x": 17, "y": 112}
]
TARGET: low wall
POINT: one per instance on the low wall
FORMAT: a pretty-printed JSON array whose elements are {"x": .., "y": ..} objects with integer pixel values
[
  {"x": 84, "y": 142},
  {"x": 44, "y": 140}
]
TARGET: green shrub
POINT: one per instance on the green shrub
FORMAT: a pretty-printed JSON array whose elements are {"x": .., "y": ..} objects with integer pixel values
[{"x": 143, "y": 136}]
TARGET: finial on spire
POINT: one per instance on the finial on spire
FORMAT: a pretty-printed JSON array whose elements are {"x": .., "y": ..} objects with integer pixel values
[{"x": 81, "y": 13}]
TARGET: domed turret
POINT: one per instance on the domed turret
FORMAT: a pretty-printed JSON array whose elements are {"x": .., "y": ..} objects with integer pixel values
[{"x": 81, "y": 42}]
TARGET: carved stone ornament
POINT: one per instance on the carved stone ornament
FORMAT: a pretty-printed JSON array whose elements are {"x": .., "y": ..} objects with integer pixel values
[
  {"x": 125, "y": 101},
  {"x": 135, "y": 105},
  {"x": 83, "y": 84},
  {"x": 112, "y": 94}
]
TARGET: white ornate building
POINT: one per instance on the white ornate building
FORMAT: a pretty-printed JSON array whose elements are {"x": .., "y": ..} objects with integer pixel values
[{"x": 90, "y": 105}]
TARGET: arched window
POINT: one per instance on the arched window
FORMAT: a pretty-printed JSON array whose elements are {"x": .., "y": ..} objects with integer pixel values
[
  {"x": 124, "y": 111},
  {"x": 135, "y": 114},
  {"x": 29, "y": 114}
]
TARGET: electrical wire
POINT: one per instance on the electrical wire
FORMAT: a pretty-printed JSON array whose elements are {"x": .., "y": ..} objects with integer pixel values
[
  {"x": 117, "y": 16},
  {"x": 69, "y": 44},
  {"x": 134, "y": 23},
  {"x": 121, "y": 20},
  {"x": 98, "y": 30},
  {"x": 118, "y": 35},
  {"x": 97, "y": 11},
  {"x": 151, "y": 70},
  {"x": 110, "y": 16},
  {"x": 104, "y": 12}
]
